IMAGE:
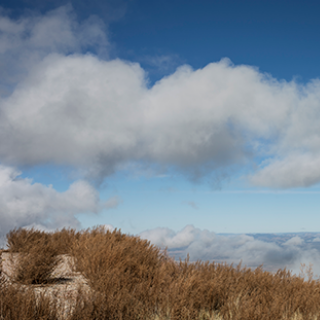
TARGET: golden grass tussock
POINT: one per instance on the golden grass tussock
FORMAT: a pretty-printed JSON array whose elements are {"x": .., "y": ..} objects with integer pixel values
[
  {"x": 38, "y": 255},
  {"x": 125, "y": 270},
  {"x": 131, "y": 279}
]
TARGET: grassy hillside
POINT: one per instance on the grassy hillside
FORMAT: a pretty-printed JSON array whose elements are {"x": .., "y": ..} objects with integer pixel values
[{"x": 132, "y": 279}]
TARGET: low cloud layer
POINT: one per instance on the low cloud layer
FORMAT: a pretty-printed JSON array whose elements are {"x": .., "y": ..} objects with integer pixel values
[
  {"x": 205, "y": 245},
  {"x": 23, "y": 203},
  {"x": 77, "y": 109}
]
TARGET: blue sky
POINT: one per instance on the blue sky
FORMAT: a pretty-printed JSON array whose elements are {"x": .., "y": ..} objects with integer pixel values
[
  {"x": 167, "y": 119},
  {"x": 278, "y": 37}
]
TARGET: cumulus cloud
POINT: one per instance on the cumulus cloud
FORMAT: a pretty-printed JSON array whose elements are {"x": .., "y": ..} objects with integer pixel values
[
  {"x": 23, "y": 203},
  {"x": 24, "y": 42},
  {"x": 299, "y": 170},
  {"x": 205, "y": 245},
  {"x": 82, "y": 111},
  {"x": 97, "y": 115}
]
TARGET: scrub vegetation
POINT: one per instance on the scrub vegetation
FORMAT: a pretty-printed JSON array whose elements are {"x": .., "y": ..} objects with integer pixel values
[{"x": 131, "y": 279}]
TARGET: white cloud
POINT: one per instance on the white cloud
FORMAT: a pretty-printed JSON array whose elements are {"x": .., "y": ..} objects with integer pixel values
[
  {"x": 23, "y": 203},
  {"x": 168, "y": 238},
  {"x": 299, "y": 170},
  {"x": 113, "y": 202},
  {"x": 76, "y": 109},
  {"x": 207, "y": 246},
  {"x": 295, "y": 241},
  {"x": 24, "y": 42},
  {"x": 82, "y": 111},
  {"x": 108, "y": 227}
]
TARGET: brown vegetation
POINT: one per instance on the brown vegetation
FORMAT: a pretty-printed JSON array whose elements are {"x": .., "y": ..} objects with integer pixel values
[{"x": 131, "y": 279}]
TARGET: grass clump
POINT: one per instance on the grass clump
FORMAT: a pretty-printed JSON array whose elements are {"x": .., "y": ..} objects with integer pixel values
[
  {"x": 38, "y": 253},
  {"x": 125, "y": 271},
  {"x": 131, "y": 279},
  {"x": 21, "y": 240},
  {"x": 20, "y": 303}
]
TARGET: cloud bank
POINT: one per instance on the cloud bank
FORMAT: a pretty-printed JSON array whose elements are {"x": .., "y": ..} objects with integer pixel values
[{"x": 205, "y": 245}]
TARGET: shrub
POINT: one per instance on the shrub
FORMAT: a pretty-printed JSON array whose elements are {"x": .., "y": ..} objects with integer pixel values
[
  {"x": 17, "y": 303},
  {"x": 125, "y": 270},
  {"x": 37, "y": 256}
]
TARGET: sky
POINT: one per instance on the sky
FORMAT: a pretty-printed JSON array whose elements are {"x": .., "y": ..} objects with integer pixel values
[{"x": 176, "y": 121}]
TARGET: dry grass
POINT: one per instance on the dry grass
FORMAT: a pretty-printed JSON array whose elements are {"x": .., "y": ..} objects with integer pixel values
[
  {"x": 132, "y": 279},
  {"x": 35, "y": 268},
  {"x": 17, "y": 303}
]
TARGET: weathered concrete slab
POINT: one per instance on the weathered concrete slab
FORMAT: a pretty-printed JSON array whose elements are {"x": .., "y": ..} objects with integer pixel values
[{"x": 7, "y": 263}]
